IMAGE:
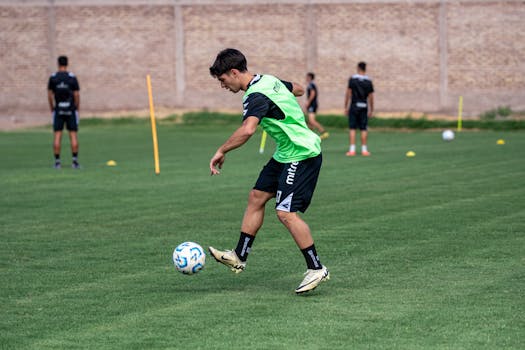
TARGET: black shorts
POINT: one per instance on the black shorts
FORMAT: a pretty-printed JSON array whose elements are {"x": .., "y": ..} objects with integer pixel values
[
  {"x": 70, "y": 118},
  {"x": 358, "y": 118},
  {"x": 293, "y": 183},
  {"x": 312, "y": 108}
]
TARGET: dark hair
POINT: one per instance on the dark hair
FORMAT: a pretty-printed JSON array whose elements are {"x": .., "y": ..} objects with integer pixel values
[
  {"x": 311, "y": 75},
  {"x": 362, "y": 66},
  {"x": 228, "y": 59},
  {"x": 62, "y": 60}
]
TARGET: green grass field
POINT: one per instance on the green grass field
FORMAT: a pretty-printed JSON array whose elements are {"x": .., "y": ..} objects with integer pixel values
[{"x": 425, "y": 252}]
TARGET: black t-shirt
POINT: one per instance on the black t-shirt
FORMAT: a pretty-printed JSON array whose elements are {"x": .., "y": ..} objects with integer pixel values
[
  {"x": 312, "y": 87},
  {"x": 361, "y": 86},
  {"x": 260, "y": 106},
  {"x": 63, "y": 84}
]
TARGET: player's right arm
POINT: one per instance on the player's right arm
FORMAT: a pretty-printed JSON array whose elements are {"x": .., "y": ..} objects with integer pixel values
[
  {"x": 50, "y": 100},
  {"x": 237, "y": 139}
]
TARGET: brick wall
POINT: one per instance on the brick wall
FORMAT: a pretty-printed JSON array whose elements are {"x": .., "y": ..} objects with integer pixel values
[
  {"x": 24, "y": 58},
  {"x": 486, "y": 55},
  {"x": 422, "y": 54},
  {"x": 399, "y": 42}
]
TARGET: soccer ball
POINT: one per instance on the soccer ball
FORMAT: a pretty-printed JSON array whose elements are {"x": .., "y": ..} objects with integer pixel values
[
  {"x": 448, "y": 135},
  {"x": 189, "y": 258}
]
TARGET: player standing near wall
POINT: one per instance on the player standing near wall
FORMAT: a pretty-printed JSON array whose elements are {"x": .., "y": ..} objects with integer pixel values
[
  {"x": 64, "y": 100},
  {"x": 311, "y": 106},
  {"x": 361, "y": 91}
]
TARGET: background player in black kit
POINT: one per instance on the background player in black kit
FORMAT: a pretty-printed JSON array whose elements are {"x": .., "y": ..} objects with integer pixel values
[
  {"x": 361, "y": 90},
  {"x": 64, "y": 100},
  {"x": 311, "y": 106}
]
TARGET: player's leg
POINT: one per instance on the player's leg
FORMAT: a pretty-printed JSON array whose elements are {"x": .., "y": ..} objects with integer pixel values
[
  {"x": 56, "y": 148},
  {"x": 58, "y": 126},
  {"x": 254, "y": 213},
  {"x": 294, "y": 194},
  {"x": 351, "y": 137},
  {"x": 299, "y": 230},
  {"x": 364, "y": 140},
  {"x": 315, "y": 125},
  {"x": 262, "y": 192},
  {"x": 72, "y": 126},
  {"x": 251, "y": 223},
  {"x": 364, "y": 133},
  {"x": 73, "y": 138},
  {"x": 352, "y": 126}
]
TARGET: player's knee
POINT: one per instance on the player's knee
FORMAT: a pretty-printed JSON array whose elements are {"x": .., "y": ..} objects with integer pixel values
[
  {"x": 257, "y": 198},
  {"x": 284, "y": 216}
]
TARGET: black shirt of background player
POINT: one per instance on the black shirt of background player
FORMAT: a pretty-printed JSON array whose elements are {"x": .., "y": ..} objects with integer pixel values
[
  {"x": 260, "y": 106},
  {"x": 361, "y": 86},
  {"x": 63, "y": 84},
  {"x": 312, "y": 87}
]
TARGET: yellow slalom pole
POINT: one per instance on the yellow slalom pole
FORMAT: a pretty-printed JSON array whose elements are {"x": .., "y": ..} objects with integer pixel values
[
  {"x": 153, "y": 127},
  {"x": 460, "y": 113},
  {"x": 263, "y": 142}
]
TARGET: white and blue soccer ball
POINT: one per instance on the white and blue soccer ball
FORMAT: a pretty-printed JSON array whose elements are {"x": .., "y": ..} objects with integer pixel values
[
  {"x": 189, "y": 258},
  {"x": 448, "y": 135}
]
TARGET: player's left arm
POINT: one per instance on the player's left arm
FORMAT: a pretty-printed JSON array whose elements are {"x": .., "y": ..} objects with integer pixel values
[
  {"x": 76, "y": 93},
  {"x": 237, "y": 139},
  {"x": 370, "y": 104},
  {"x": 295, "y": 88},
  {"x": 76, "y": 98},
  {"x": 313, "y": 93}
]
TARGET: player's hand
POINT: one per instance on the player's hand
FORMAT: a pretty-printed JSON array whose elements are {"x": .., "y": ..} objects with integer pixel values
[
  {"x": 370, "y": 114},
  {"x": 216, "y": 162}
]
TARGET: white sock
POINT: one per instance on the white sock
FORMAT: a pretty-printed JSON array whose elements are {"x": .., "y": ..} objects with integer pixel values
[
  {"x": 364, "y": 148},
  {"x": 352, "y": 148}
]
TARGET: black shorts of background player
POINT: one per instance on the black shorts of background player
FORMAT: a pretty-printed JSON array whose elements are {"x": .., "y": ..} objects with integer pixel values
[
  {"x": 359, "y": 106},
  {"x": 311, "y": 106},
  {"x": 64, "y": 101}
]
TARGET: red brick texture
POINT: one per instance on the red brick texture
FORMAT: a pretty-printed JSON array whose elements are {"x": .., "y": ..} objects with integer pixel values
[{"x": 421, "y": 54}]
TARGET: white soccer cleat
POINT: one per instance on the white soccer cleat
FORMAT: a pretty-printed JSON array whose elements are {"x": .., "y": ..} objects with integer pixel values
[
  {"x": 228, "y": 258},
  {"x": 312, "y": 279}
]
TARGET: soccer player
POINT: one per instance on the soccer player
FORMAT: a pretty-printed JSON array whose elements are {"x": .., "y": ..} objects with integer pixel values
[
  {"x": 291, "y": 174},
  {"x": 361, "y": 90},
  {"x": 311, "y": 106},
  {"x": 64, "y": 101}
]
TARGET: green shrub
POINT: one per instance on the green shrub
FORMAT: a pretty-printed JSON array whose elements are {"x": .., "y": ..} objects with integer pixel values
[
  {"x": 504, "y": 111},
  {"x": 489, "y": 115},
  {"x": 501, "y": 111},
  {"x": 488, "y": 122}
]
